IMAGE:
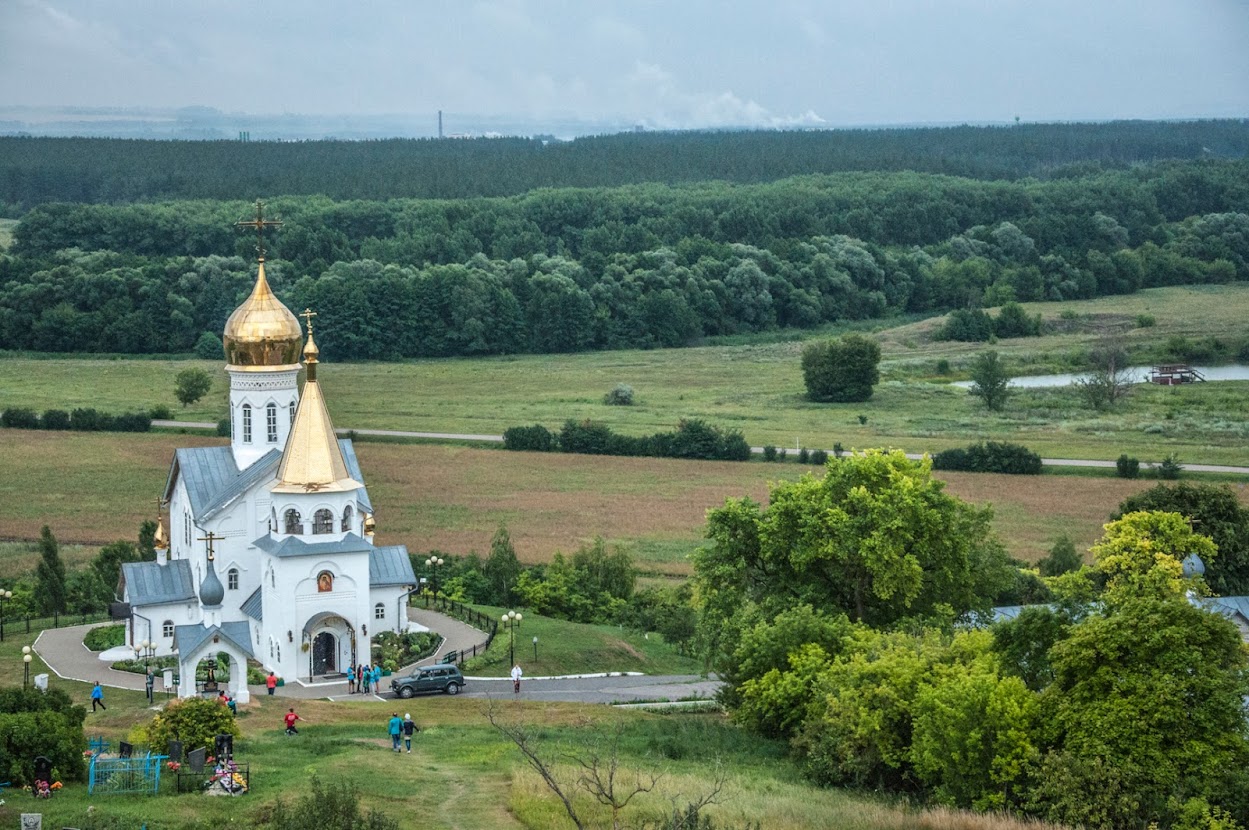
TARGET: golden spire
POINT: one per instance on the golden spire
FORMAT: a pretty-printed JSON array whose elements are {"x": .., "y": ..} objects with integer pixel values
[
  {"x": 160, "y": 541},
  {"x": 312, "y": 460},
  {"x": 262, "y": 332},
  {"x": 311, "y": 352}
]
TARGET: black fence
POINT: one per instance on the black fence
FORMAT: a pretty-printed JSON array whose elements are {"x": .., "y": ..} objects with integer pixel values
[
  {"x": 31, "y": 624},
  {"x": 473, "y": 617}
]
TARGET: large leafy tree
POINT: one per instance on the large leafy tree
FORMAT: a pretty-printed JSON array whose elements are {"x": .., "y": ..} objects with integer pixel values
[
  {"x": 1215, "y": 512},
  {"x": 876, "y": 538},
  {"x": 841, "y": 371},
  {"x": 1142, "y": 554}
]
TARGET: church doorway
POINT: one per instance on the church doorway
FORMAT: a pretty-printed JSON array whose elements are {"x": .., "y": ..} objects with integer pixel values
[{"x": 325, "y": 653}]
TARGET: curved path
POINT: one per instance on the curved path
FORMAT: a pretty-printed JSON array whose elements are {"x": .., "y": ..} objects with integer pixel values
[
  {"x": 498, "y": 439},
  {"x": 66, "y": 656}
]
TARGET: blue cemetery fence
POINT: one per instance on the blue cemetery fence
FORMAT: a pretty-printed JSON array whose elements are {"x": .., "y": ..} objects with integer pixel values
[{"x": 114, "y": 776}]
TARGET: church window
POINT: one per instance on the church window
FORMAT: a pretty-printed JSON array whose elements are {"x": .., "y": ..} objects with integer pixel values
[
  {"x": 346, "y": 518},
  {"x": 186, "y": 527},
  {"x": 167, "y": 628},
  {"x": 323, "y": 521},
  {"x": 379, "y": 612},
  {"x": 292, "y": 413},
  {"x": 293, "y": 522},
  {"x": 271, "y": 422},
  {"x": 232, "y": 579},
  {"x": 325, "y": 582},
  {"x": 270, "y": 647},
  {"x": 247, "y": 423}
]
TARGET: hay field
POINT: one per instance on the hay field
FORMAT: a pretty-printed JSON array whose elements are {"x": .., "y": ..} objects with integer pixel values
[{"x": 94, "y": 488}]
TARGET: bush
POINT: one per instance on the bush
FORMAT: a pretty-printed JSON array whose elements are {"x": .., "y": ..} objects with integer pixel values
[
  {"x": 1145, "y": 321},
  {"x": 1127, "y": 467},
  {"x": 209, "y": 347},
  {"x": 223, "y": 428},
  {"x": 55, "y": 419},
  {"x": 327, "y": 807},
  {"x": 1062, "y": 559},
  {"x": 819, "y": 457},
  {"x": 19, "y": 417},
  {"x": 804, "y": 456},
  {"x": 394, "y": 651},
  {"x": 967, "y": 326},
  {"x": 693, "y": 438},
  {"x": 620, "y": 395},
  {"x": 160, "y": 412},
  {"x": 1013, "y": 321},
  {"x": 536, "y": 438},
  {"x": 990, "y": 457},
  {"x": 841, "y": 371},
  {"x": 195, "y": 721},
  {"x": 88, "y": 420},
  {"x": 1169, "y": 468},
  {"x": 34, "y": 723},
  {"x": 105, "y": 637},
  {"x": 943, "y": 366},
  {"x": 132, "y": 422},
  {"x": 782, "y": 454},
  {"x": 769, "y": 452}
]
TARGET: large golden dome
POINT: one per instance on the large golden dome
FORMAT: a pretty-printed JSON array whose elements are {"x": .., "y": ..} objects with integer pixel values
[{"x": 262, "y": 331}]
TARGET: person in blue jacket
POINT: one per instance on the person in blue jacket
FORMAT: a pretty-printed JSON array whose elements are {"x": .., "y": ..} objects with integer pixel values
[
  {"x": 97, "y": 697},
  {"x": 396, "y": 729}
]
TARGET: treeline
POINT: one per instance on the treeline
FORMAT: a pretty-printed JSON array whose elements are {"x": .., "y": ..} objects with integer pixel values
[
  {"x": 692, "y": 439},
  {"x": 38, "y": 170},
  {"x": 633, "y": 267}
]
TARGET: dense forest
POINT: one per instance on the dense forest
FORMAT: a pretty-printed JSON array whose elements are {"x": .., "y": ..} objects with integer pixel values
[
  {"x": 644, "y": 265},
  {"x": 38, "y": 170}
]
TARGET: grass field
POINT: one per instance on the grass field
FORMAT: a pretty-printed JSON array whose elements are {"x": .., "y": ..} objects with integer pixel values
[
  {"x": 94, "y": 488},
  {"x": 463, "y": 775},
  {"x": 755, "y": 388}
]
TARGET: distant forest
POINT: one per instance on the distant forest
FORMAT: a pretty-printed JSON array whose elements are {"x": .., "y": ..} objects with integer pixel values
[{"x": 1035, "y": 212}]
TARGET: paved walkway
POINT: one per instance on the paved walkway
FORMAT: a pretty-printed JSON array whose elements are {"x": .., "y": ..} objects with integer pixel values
[{"x": 459, "y": 436}]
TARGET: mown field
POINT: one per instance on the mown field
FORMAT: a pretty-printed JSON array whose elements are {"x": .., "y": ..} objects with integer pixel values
[
  {"x": 756, "y": 388},
  {"x": 463, "y": 775},
  {"x": 94, "y": 488}
]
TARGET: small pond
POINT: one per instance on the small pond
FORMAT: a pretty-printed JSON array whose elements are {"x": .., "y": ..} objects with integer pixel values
[{"x": 1232, "y": 371}]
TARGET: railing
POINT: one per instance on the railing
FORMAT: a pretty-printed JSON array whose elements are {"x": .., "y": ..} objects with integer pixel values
[
  {"x": 238, "y": 781},
  {"x": 125, "y": 775},
  {"x": 473, "y": 617},
  {"x": 55, "y": 621}
]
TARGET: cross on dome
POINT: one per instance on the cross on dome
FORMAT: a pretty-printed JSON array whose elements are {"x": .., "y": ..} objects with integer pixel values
[{"x": 260, "y": 223}]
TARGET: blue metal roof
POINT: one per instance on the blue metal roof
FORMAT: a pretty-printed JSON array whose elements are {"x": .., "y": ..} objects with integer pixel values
[
  {"x": 252, "y": 606},
  {"x": 188, "y": 638},
  {"x": 1228, "y": 606},
  {"x": 296, "y": 546},
  {"x": 149, "y": 583},
  {"x": 390, "y": 565},
  {"x": 213, "y": 481}
]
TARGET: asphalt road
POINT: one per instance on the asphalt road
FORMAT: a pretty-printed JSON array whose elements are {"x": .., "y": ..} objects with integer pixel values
[{"x": 613, "y": 688}]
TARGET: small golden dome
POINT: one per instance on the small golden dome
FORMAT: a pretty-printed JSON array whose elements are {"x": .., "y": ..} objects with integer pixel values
[
  {"x": 262, "y": 331},
  {"x": 311, "y": 352},
  {"x": 159, "y": 540}
]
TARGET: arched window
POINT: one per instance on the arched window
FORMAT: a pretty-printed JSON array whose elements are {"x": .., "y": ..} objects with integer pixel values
[
  {"x": 323, "y": 521},
  {"x": 271, "y": 422},
  {"x": 247, "y": 423},
  {"x": 166, "y": 628},
  {"x": 294, "y": 524},
  {"x": 292, "y": 413},
  {"x": 347, "y": 515},
  {"x": 379, "y": 612},
  {"x": 232, "y": 579}
]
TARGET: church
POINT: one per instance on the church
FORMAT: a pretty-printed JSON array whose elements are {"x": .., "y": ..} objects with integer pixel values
[{"x": 269, "y": 554}]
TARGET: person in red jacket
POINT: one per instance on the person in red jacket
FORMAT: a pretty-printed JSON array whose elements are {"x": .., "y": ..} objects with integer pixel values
[
  {"x": 271, "y": 683},
  {"x": 290, "y": 717}
]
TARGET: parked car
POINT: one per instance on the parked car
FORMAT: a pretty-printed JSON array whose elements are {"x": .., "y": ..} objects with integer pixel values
[{"x": 429, "y": 679}]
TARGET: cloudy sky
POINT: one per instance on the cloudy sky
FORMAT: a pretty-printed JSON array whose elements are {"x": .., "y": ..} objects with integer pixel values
[{"x": 680, "y": 63}]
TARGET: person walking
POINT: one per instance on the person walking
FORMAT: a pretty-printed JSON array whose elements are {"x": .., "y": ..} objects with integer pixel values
[
  {"x": 271, "y": 683},
  {"x": 351, "y": 679},
  {"x": 409, "y": 726},
  {"x": 377, "y": 679},
  {"x": 97, "y": 697},
  {"x": 516, "y": 675},
  {"x": 290, "y": 717},
  {"x": 396, "y": 729}
]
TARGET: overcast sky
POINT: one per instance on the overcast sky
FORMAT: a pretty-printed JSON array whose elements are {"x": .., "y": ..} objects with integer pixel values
[{"x": 679, "y": 63}]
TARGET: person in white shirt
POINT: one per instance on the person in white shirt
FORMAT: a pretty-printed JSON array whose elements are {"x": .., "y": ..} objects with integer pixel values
[{"x": 516, "y": 674}]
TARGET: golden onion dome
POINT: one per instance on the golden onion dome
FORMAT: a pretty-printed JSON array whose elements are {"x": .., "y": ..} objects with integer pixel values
[
  {"x": 262, "y": 332},
  {"x": 160, "y": 541}
]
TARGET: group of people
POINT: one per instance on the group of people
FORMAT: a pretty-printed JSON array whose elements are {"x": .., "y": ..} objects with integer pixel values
[
  {"x": 402, "y": 728},
  {"x": 363, "y": 678}
]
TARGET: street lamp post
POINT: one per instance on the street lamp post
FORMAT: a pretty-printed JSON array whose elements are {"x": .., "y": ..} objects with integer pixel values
[
  {"x": 511, "y": 621},
  {"x": 433, "y": 563},
  {"x": 26, "y": 657},
  {"x": 147, "y": 650},
  {"x": 3, "y": 596},
  {"x": 535, "y": 648}
]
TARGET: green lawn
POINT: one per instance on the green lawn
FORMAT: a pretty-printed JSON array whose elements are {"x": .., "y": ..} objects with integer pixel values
[{"x": 755, "y": 388}]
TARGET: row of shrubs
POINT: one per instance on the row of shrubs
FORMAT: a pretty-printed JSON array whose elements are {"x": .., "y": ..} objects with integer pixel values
[
  {"x": 989, "y": 457},
  {"x": 81, "y": 420},
  {"x": 1168, "y": 469},
  {"x": 693, "y": 438},
  {"x": 804, "y": 456}
]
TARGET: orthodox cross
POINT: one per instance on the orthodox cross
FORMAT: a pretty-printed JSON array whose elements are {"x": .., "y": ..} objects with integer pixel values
[
  {"x": 160, "y": 502},
  {"x": 259, "y": 223},
  {"x": 308, "y": 314},
  {"x": 211, "y": 537}
]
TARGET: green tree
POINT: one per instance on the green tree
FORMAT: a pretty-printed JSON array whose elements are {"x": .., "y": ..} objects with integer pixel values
[
  {"x": 50, "y": 574},
  {"x": 209, "y": 347},
  {"x": 1141, "y": 555},
  {"x": 1109, "y": 379},
  {"x": 990, "y": 381},
  {"x": 1062, "y": 558},
  {"x": 1215, "y": 512},
  {"x": 841, "y": 371},
  {"x": 501, "y": 568},
  {"x": 195, "y": 721},
  {"x": 191, "y": 384}
]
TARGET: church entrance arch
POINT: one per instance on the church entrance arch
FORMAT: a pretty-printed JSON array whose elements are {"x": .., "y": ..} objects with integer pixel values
[
  {"x": 327, "y": 645},
  {"x": 324, "y": 653}
]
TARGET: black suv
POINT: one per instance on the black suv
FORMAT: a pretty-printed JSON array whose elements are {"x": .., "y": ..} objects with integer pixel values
[{"x": 429, "y": 679}]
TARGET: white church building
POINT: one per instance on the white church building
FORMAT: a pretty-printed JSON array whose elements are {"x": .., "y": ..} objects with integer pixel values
[{"x": 270, "y": 552}]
